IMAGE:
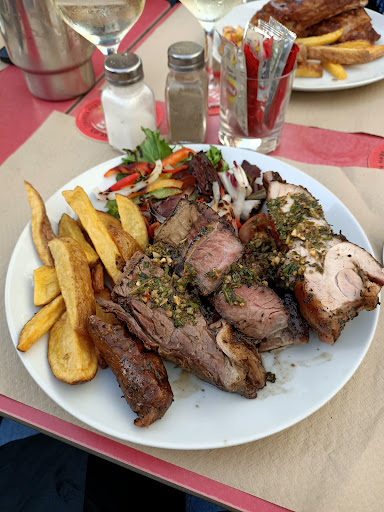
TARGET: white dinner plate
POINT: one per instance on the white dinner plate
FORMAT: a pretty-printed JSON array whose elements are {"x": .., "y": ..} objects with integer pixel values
[
  {"x": 201, "y": 416},
  {"x": 362, "y": 74}
]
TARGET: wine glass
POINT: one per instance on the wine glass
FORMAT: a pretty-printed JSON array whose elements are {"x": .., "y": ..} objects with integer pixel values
[
  {"x": 208, "y": 13},
  {"x": 103, "y": 22}
]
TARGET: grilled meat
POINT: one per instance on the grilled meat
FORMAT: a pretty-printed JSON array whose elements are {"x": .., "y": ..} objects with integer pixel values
[
  {"x": 333, "y": 279},
  {"x": 255, "y": 310},
  {"x": 141, "y": 374},
  {"x": 298, "y": 15},
  {"x": 205, "y": 174},
  {"x": 296, "y": 333},
  {"x": 178, "y": 331},
  {"x": 356, "y": 25},
  {"x": 205, "y": 243}
]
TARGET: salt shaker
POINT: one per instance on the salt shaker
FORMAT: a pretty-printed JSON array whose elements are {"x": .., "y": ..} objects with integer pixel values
[
  {"x": 128, "y": 103},
  {"x": 186, "y": 93}
]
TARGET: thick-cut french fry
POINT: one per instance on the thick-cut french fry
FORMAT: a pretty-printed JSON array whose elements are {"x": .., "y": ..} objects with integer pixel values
[
  {"x": 109, "y": 220},
  {"x": 322, "y": 40},
  {"x": 309, "y": 70},
  {"x": 357, "y": 43},
  {"x": 97, "y": 275},
  {"x": 375, "y": 52},
  {"x": 345, "y": 56},
  {"x": 335, "y": 70},
  {"x": 46, "y": 285},
  {"x": 132, "y": 220},
  {"x": 42, "y": 230},
  {"x": 126, "y": 244},
  {"x": 97, "y": 231},
  {"x": 302, "y": 53},
  {"x": 69, "y": 227},
  {"x": 71, "y": 356},
  {"x": 40, "y": 323},
  {"x": 74, "y": 277}
]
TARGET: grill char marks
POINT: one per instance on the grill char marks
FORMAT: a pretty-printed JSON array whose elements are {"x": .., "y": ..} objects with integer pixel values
[
  {"x": 338, "y": 279},
  {"x": 203, "y": 241},
  {"x": 215, "y": 355},
  {"x": 141, "y": 374}
]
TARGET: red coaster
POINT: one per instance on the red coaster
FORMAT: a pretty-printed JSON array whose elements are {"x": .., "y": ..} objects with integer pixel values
[
  {"x": 90, "y": 120},
  {"x": 376, "y": 157}
]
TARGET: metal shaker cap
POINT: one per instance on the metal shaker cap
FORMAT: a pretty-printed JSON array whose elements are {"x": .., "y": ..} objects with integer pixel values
[
  {"x": 185, "y": 56},
  {"x": 123, "y": 68}
]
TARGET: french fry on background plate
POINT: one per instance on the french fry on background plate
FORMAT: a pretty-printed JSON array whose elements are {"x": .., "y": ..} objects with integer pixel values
[
  {"x": 97, "y": 231},
  {"x": 322, "y": 40},
  {"x": 42, "y": 230},
  {"x": 46, "y": 285},
  {"x": 335, "y": 70},
  {"x": 69, "y": 227},
  {"x": 309, "y": 70},
  {"x": 132, "y": 220},
  {"x": 40, "y": 323},
  {"x": 375, "y": 52},
  {"x": 74, "y": 277},
  {"x": 71, "y": 356},
  {"x": 344, "y": 56},
  {"x": 357, "y": 43}
]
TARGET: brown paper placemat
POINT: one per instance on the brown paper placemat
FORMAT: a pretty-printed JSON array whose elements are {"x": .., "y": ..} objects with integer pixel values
[
  {"x": 352, "y": 110},
  {"x": 331, "y": 461}
]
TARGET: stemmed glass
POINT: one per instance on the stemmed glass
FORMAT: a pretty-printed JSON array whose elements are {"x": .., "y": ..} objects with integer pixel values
[
  {"x": 208, "y": 13},
  {"x": 103, "y": 22}
]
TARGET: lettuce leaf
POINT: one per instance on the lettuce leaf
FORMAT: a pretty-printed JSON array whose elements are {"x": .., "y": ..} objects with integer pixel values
[
  {"x": 216, "y": 158},
  {"x": 151, "y": 149}
]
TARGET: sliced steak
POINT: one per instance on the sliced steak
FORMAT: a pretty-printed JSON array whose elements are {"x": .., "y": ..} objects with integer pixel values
[
  {"x": 215, "y": 356},
  {"x": 141, "y": 374},
  {"x": 205, "y": 174},
  {"x": 333, "y": 279},
  {"x": 204, "y": 241},
  {"x": 258, "y": 311},
  {"x": 296, "y": 333}
]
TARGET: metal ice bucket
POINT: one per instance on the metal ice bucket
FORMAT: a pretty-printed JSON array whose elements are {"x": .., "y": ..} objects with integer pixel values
[{"x": 55, "y": 60}]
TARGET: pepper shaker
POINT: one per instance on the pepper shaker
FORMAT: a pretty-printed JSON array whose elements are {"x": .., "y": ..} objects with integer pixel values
[
  {"x": 186, "y": 93},
  {"x": 128, "y": 103}
]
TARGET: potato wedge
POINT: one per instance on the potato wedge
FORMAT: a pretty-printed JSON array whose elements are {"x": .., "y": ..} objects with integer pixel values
[
  {"x": 357, "y": 43},
  {"x": 71, "y": 356},
  {"x": 97, "y": 275},
  {"x": 97, "y": 231},
  {"x": 322, "y": 40},
  {"x": 46, "y": 285},
  {"x": 126, "y": 244},
  {"x": 42, "y": 230},
  {"x": 345, "y": 56},
  {"x": 132, "y": 220},
  {"x": 40, "y": 323},
  {"x": 69, "y": 227},
  {"x": 375, "y": 52},
  {"x": 109, "y": 220},
  {"x": 309, "y": 70},
  {"x": 74, "y": 277},
  {"x": 335, "y": 70}
]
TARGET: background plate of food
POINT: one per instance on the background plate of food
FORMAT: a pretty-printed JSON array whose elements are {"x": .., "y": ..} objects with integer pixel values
[
  {"x": 201, "y": 416},
  {"x": 354, "y": 36}
]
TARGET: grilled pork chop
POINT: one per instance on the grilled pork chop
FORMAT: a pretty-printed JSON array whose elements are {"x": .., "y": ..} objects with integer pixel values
[
  {"x": 141, "y": 374},
  {"x": 202, "y": 240},
  {"x": 298, "y": 15},
  {"x": 333, "y": 279},
  {"x": 356, "y": 25},
  {"x": 178, "y": 331}
]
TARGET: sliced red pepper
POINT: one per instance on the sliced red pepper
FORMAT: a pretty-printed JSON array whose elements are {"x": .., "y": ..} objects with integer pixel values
[
  {"x": 152, "y": 228},
  {"x": 177, "y": 156},
  {"x": 238, "y": 223},
  {"x": 125, "y": 182},
  {"x": 142, "y": 167}
]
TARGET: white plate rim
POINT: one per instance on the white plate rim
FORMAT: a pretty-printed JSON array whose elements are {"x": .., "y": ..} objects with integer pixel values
[{"x": 262, "y": 161}]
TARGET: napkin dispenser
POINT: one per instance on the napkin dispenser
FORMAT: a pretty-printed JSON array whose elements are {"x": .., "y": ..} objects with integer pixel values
[{"x": 54, "y": 58}]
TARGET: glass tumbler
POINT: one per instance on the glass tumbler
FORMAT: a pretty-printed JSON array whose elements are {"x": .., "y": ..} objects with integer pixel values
[{"x": 253, "y": 118}]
